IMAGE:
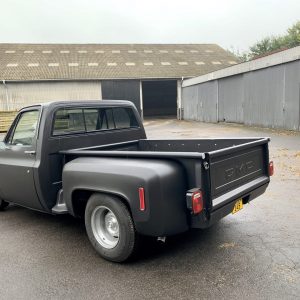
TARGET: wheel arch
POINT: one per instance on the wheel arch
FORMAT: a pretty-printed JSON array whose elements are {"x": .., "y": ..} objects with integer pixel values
[{"x": 80, "y": 197}]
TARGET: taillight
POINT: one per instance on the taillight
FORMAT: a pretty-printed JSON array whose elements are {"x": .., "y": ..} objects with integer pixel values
[
  {"x": 271, "y": 168},
  {"x": 197, "y": 202},
  {"x": 142, "y": 199}
]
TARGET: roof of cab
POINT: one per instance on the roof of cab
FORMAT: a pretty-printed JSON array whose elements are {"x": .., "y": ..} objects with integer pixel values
[{"x": 74, "y": 103}]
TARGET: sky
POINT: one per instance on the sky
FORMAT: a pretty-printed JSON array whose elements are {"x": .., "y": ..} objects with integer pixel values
[{"x": 232, "y": 24}]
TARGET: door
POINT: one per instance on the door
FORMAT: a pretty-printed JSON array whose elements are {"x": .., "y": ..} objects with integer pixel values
[{"x": 17, "y": 158}]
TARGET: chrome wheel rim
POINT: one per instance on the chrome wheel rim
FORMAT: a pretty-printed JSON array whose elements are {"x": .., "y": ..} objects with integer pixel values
[{"x": 105, "y": 227}]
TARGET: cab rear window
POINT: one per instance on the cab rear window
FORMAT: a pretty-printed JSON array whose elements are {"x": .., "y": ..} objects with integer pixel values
[
  {"x": 78, "y": 120},
  {"x": 68, "y": 121}
]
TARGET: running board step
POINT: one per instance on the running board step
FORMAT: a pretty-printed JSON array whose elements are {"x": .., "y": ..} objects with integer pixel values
[{"x": 60, "y": 206}]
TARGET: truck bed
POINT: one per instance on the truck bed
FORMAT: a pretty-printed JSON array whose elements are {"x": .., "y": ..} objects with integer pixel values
[
  {"x": 227, "y": 169},
  {"x": 167, "y": 148}
]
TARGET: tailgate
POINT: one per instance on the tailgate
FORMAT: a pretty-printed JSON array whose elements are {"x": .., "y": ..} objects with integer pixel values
[{"x": 234, "y": 172}]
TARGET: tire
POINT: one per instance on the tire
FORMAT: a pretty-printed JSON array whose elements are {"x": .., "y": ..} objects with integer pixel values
[
  {"x": 3, "y": 204},
  {"x": 110, "y": 228}
]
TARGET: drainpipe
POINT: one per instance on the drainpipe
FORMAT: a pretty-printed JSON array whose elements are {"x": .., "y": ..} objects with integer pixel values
[
  {"x": 6, "y": 92},
  {"x": 179, "y": 98},
  {"x": 141, "y": 101}
]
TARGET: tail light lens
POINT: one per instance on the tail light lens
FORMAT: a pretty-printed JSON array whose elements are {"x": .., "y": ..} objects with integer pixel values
[
  {"x": 142, "y": 199},
  {"x": 197, "y": 202},
  {"x": 271, "y": 168}
]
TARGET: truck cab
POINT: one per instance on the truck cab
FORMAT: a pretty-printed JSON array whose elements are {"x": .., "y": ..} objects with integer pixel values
[{"x": 29, "y": 154}]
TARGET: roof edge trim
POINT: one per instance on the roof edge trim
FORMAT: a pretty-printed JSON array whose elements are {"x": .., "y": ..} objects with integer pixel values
[{"x": 256, "y": 64}]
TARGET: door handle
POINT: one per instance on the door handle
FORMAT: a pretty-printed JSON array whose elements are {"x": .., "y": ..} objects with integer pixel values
[{"x": 30, "y": 152}]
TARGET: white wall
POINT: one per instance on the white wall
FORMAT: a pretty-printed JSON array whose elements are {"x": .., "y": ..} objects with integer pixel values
[{"x": 14, "y": 96}]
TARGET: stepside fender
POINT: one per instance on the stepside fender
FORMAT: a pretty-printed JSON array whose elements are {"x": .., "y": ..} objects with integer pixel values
[{"x": 164, "y": 182}]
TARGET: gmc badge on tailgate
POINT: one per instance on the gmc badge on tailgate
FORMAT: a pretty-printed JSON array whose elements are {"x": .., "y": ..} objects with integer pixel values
[{"x": 239, "y": 170}]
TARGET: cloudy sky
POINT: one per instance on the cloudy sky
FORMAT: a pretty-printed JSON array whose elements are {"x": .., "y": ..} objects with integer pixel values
[{"x": 230, "y": 23}]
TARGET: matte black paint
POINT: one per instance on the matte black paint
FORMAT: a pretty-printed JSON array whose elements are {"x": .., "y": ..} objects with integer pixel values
[
  {"x": 164, "y": 183},
  {"x": 122, "y": 160}
]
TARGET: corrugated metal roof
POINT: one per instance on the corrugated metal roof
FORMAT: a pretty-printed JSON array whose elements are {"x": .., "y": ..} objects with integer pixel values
[{"x": 22, "y": 62}]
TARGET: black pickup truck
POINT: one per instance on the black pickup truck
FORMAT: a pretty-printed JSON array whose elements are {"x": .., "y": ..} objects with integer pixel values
[{"x": 92, "y": 160}]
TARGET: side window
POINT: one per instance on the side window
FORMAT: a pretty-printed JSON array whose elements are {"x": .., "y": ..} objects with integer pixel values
[
  {"x": 68, "y": 120},
  {"x": 26, "y": 129},
  {"x": 124, "y": 118}
]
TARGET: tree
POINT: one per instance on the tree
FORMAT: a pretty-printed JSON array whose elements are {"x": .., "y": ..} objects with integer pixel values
[
  {"x": 267, "y": 45},
  {"x": 293, "y": 36},
  {"x": 273, "y": 43}
]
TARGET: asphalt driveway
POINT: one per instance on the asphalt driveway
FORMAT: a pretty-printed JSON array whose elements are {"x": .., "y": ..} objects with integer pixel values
[{"x": 254, "y": 254}]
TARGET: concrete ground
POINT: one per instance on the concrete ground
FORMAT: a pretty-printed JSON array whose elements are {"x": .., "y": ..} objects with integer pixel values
[{"x": 254, "y": 254}]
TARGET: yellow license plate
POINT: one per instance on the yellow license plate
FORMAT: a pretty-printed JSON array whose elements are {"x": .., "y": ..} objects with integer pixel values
[{"x": 237, "y": 206}]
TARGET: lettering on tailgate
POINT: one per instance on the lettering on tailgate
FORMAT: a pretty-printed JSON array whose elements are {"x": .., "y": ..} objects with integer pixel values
[
  {"x": 239, "y": 170},
  {"x": 231, "y": 171}
]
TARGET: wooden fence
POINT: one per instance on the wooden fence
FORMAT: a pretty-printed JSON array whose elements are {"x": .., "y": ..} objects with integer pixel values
[{"x": 6, "y": 118}]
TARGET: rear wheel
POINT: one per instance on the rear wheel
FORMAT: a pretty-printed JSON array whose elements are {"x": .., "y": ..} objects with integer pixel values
[
  {"x": 3, "y": 204},
  {"x": 110, "y": 227}
]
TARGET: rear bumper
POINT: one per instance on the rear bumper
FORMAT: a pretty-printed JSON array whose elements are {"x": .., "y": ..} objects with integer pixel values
[{"x": 222, "y": 209}]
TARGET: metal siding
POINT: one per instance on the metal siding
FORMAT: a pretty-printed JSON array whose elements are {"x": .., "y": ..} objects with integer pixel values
[
  {"x": 122, "y": 90},
  {"x": 208, "y": 98},
  {"x": 267, "y": 97},
  {"x": 263, "y": 103},
  {"x": 292, "y": 96},
  {"x": 200, "y": 102},
  {"x": 190, "y": 102},
  {"x": 231, "y": 98},
  {"x": 28, "y": 93}
]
